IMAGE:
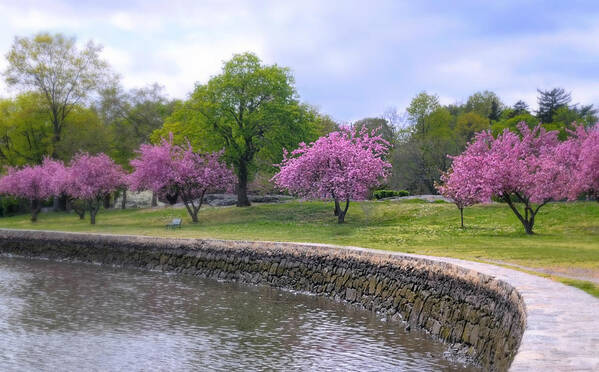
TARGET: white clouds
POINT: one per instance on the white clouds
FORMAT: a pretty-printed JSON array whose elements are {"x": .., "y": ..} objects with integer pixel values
[
  {"x": 351, "y": 58},
  {"x": 37, "y": 18},
  {"x": 119, "y": 59},
  {"x": 197, "y": 60},
  {"x": 122, "y": 20}
]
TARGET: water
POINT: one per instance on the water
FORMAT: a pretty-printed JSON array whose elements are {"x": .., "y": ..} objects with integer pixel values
[{"x": 65, "y": 317}]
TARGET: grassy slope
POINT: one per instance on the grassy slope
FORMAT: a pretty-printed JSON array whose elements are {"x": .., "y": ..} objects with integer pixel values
[{"x": 567, "y": 238}]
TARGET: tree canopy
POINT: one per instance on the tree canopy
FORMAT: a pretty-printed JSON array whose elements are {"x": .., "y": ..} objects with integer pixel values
[
  {"x": 251, "y": 110},
  {"x": 55, "y": 68},
  {"x": 341, "y": 166}
]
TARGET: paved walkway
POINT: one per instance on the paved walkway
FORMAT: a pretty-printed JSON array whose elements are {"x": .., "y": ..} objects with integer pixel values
[
  {"x": 562, "y": 330},
  {"x": 570, "y": 273}
]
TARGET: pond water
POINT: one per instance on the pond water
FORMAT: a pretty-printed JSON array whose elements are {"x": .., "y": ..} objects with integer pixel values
[{"x": 59, "y": 316}]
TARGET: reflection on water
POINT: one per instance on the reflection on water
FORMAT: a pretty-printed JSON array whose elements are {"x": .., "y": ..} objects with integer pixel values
[{"x": 62, "y": 316}]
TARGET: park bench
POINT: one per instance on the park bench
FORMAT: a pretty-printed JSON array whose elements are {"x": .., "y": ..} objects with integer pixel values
[{"x": 175, "y": 224}]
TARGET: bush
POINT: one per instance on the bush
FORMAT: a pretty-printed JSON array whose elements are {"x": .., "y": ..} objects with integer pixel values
[
  {"x": 380, "y": 194},
  {"x": 10, "y": 206}
]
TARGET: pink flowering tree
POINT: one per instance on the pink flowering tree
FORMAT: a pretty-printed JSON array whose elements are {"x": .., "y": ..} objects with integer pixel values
[
  {"x": 462, "y": 184},
  {"x": 341, "y": 166},
  {"x": 583, "y": 147},
  {"x": 522, "y": 170},
  {"x": 59, "y": 180},
  {"x": 31, "y": 183},
  {"x": 91, "y": 178},
  {"x": 167, "y": 169}
]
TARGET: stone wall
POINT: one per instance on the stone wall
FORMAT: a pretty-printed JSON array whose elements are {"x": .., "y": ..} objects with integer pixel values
[{"x": 482, "y": 317}]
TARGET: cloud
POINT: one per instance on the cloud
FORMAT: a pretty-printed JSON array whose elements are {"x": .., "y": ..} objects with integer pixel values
[
  {"x": 352, "y": 59},
  {"x": 123, "y": 21}
]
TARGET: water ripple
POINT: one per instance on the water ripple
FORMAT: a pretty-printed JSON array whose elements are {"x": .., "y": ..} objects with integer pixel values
[{"x": 62, "y": 317}]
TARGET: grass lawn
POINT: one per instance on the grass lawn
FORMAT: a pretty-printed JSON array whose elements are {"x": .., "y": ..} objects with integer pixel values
[{"x": 566, "y": 243}]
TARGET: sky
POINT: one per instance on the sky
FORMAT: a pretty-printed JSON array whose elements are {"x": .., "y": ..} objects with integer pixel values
[{"x": 351, "y": 59}]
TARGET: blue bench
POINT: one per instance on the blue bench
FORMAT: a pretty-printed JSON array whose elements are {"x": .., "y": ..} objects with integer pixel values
[{"x": 175, "y": 224}]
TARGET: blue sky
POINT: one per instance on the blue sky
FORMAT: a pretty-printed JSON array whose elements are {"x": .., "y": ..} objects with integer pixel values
[{"x": 351, "y": 59}]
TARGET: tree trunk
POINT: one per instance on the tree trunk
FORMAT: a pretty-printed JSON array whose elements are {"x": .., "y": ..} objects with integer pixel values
[
  {"x": 154, "y": 199},
  {"x": 337, "y": 208},
  {"x": 194, "y": 216},
  {"x": 124, "y": 200},
  {"x": 172, "y": 198},
  {"x": 55, "y": 134},
  {"x": 93, "y": 207},
  {"x": 462, "y": 217},
  {"x": 62, "y": 202},
  {"x": 35, "y": 209},
  {"x": 106, "y": 201},
  {"x": 75, "y": 205},
  {"x": 192, "y": 209},
  {"x": 59, "y": 203},
  {"x": 242, "y": 186},
  {"x": 528, "y": 220},
  {"x": 342, "y": 212}
]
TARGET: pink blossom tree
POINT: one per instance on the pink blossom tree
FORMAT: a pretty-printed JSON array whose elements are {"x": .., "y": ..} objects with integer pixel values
[
  {"x": 91, "y": 178},
  {"x": 584, "y": 147},
  {"x": 167, "y": 169},
  {"x": 31, "y": 183},
  {"x": 461, "y": 187},
  {"x": 464, "y": 183},
  {"x": 59, "y": 178},
  {"x": 341, "y": 166},
  {"x": 521, "y": 170}
]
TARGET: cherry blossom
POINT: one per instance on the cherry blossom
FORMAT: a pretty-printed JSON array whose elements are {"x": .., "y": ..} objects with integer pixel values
[
  {"x": 525, "y": 169},
  {"x": 31, "y": 183},
  {"x": 91, "y": 177},
  {"x": 168, "y": 169},
  {"x": 343, "y": 165}
]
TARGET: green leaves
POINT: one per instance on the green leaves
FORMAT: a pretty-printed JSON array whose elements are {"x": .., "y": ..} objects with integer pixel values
[
  {"x": 55, "y": 68},
  {"x": 250, "y": 109}
]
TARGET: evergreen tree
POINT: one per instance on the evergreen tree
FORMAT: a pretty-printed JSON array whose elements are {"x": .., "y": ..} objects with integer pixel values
[
  {"x": 495, "y": 111},
  {"x": 520, "y": 108},
  {"x": 550, "y": 101}
]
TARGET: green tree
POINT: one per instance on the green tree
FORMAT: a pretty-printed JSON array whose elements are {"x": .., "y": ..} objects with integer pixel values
[
  {"x": 587, "y": 114},
  {"x": 54, "y": 67},
  {"x": 25, "y": 131},
  {"x": 419, "y": 110},
  {"x": 418, "y": 161},
  {"x": 520, "y": 108},
  {"x": 550, "y": 101},
  {"x": 325, "y": 124},
  {"x": 512, "y": 123},
  {"x": 133, "y": 116},
  {"x": 84, "y": 132},
  {"x": 470, "y": 123},
  {"x": 252, "y": 111},
  {"x": 185, "y": 125},
  {"x": 487, "y": 104},
  {"x": 382, "y": 125}
]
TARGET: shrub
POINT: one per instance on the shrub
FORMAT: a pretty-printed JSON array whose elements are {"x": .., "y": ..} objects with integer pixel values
[
  {"x": 380, "y": 194},
  {"x": 9, "y": 206}
]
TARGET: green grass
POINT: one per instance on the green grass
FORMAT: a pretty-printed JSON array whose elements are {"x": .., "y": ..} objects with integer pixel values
[
  {"x": 566, "y": 239},
  {"x": 584, "y": 285}
]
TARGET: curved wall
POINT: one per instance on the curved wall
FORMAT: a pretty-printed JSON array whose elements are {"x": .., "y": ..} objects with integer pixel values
[{"x": 482, "y": 317}]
